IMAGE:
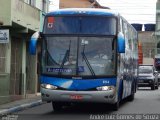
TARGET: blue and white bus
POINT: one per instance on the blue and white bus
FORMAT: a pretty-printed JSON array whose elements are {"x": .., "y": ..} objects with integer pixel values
[{"x": 88, "y": 55}]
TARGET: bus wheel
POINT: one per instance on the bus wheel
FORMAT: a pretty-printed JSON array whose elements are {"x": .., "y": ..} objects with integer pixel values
[
  {"x": 116, "y": 106},
  {"x": 157, "y": 85},
  {"x": 131, "y": 97},
  {"x": 153, "y": 86},
  {"x": 57, "y": 106}
]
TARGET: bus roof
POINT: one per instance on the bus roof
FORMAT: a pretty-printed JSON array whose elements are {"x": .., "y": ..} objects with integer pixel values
[{"x": 83, "y": 11}]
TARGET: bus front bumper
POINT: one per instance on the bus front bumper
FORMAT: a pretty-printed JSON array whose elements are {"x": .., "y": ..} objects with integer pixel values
[{"x": 78, "y": 96}]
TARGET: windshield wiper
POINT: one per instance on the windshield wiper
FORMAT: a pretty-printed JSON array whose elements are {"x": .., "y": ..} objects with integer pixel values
[
  {"x": 66, "y": 56},
  {"x": 88, "y": 64}
]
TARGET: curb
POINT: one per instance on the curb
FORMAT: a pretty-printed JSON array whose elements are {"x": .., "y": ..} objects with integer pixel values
[{"x": 20, "y": 107}]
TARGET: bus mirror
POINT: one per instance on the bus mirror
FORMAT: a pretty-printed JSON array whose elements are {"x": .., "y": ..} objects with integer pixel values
[
  {"x": 33, "y": 43},
  {"x": 121, "y": 43}
]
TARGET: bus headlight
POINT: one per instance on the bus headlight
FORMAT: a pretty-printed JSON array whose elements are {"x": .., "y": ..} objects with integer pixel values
[
  {"x": 105, "y": 88},
  {"x": 48, "y": 86}
]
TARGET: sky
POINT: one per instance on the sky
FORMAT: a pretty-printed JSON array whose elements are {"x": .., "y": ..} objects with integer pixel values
[{"x": 134, "y": 11}]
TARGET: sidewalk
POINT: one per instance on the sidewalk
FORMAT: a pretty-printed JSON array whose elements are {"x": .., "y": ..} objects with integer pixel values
[{"x": 20, "y": 105}]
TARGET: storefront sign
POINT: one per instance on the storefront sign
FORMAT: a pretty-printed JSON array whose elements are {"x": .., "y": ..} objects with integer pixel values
[{"x": 4, "y": 36}]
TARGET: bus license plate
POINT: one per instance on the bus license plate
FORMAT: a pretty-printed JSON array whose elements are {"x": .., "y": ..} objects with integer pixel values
[{"x": 76, "y": 97}]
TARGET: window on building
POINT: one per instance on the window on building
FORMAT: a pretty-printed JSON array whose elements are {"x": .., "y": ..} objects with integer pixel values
[
  {"x": 26, "y": 1},
  {"x": 158, "y": 48},
  {"x": 44, "y": 5},
  {"x": 32, "y": 2},
  {"x": 3, "y": 48}
]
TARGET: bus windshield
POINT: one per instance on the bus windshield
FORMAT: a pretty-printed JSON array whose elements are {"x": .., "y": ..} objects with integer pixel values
[{"x": 83, "y": 56}]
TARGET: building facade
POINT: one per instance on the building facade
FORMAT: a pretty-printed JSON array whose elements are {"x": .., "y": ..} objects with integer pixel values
[
  {"x": 79, "y": 4},
  {"x": 75, "y": 4},
  {"x": 157, "y": 33},
  {"x": 148, "y": 42},
  {"x": 19, "y": 19}
]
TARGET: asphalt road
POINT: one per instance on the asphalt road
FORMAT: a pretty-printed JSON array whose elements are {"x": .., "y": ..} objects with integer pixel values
[{"x": 145, "y": 106}]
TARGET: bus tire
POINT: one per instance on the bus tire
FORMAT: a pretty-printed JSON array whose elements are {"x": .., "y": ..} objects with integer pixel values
[
  {"x": 157, "y": 86},
  {"x": 57, "y": 106},
  {"x": 116, "y": 106},
  {"x": 153, "y": 86},
  {"x": 131, "y": 97}
]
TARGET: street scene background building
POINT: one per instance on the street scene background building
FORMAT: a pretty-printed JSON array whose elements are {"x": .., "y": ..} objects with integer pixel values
[
  {"x": 157, "y": 32},
  {"x": 18, "y": 69}
]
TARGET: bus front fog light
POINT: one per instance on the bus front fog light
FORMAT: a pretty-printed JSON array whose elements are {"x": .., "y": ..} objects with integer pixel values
[
  {"x": 105, "y": 88},
  {"x": 48, "y": 86}
]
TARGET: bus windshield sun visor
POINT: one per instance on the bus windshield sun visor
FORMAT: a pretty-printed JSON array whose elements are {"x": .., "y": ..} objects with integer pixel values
[{"x": 80, "y": 25}]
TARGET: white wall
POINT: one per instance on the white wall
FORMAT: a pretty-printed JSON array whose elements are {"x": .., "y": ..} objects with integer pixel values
[
  {"x": 148, "y": 61},
  {"x": 54, "y": 4},
  {"x": 39, "y": 4}
]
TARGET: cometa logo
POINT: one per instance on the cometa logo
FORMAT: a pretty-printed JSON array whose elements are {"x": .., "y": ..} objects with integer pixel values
[
  {"x": 50, "y": 25},
  {"x": 50, "y": 21}
]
